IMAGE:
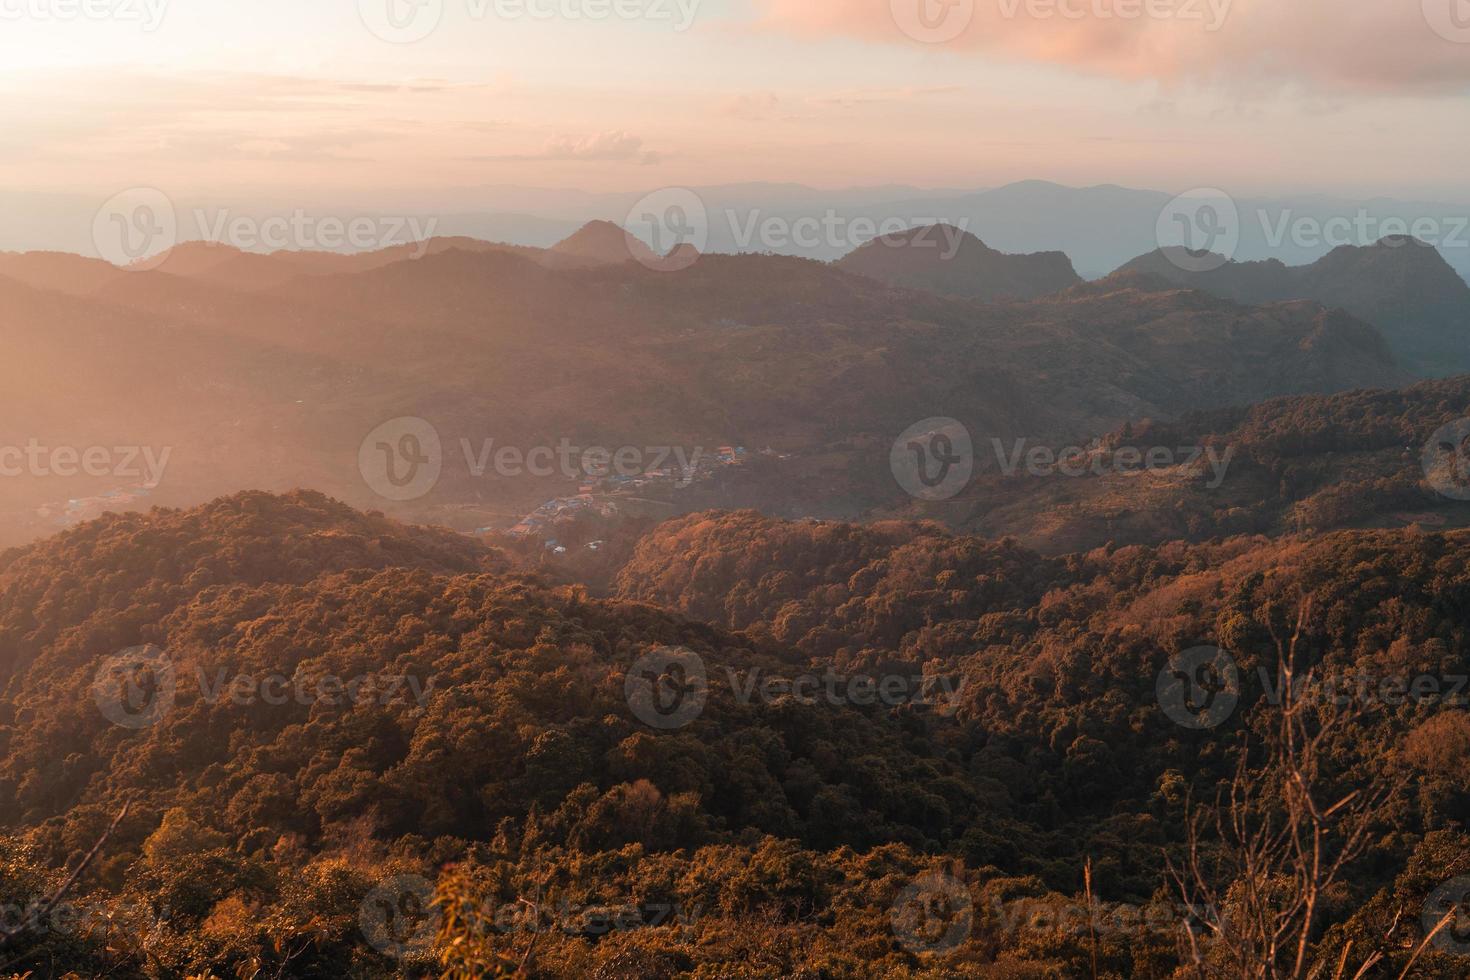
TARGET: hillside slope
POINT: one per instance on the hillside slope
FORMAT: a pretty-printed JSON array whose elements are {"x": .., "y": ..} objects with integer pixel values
[
  {"x": 946, "y": 260},
  {"x": 513, "y": 766},
  {"x": 1400, "y": 285},
  {"x": 280, "y": 390}
]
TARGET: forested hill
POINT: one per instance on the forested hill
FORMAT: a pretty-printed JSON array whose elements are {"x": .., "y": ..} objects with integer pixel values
[
  {"x": 503, "y": 755},
  {"x": 1304, "y": 464}
]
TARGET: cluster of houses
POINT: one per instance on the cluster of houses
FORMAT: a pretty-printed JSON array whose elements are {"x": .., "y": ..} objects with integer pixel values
[
  {"x": 78, "y": 509},
  {"x": 542, "y": 518},
  {"x": 601, "y": 496}
]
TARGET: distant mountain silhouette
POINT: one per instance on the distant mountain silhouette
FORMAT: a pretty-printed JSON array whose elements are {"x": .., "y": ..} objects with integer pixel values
[
  {"x": 680, "y": 257},
  {"x": 947, "y": 260},
  {"x": 224, "y": 265},
  {"x": 1401, "y": 285},
  {"x": 1306, "y": 463},
  {"x": 60, "y": 271},
  {"x": 605, "y": 242},
  {"x": 277, "y": 387}
]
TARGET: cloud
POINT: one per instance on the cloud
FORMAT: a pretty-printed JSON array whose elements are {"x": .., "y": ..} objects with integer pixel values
[
  {"x": 605, "y": 147},
  {"x": 751, "y": 108},
  {"x": 764, "y": 106},
  {"x": 611, "y": 145},
  {"x": 849, "y": 100},
  {"x": 1331, "y": 45}
]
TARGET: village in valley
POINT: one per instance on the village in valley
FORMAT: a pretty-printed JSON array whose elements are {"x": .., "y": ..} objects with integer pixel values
[
  {"x": 74, "y": 511},
  {"x": 610, "y": 497}
]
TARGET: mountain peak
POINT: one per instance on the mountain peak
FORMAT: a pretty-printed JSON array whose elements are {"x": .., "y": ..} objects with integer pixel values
[
  {"x": 945, "y": 259},
  {"x": 919, "y": 236},
  {"x": 606, "y": 242},
  {"x": 1400, "y": 284}
]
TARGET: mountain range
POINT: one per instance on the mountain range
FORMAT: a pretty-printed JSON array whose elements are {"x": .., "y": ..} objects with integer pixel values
[
  {"x": 528, "y": 347},
  {"x": 785, "y": 718},
  {"x": 354, "y": 747},
  {"x": 944, "y": 259},
  {"x": 1099, "y": 228},
  {"x": 1298, "y": 465},
  {"x": 1401, "y": 285}
]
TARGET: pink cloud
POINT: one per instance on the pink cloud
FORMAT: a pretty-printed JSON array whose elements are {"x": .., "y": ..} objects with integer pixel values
[
  {"x": 752, "y": 107},
  {"x": 613, "y": 146},
  {"x": 1348, "y": 45}
]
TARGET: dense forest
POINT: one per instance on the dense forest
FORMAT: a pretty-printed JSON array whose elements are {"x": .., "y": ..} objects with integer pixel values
[
  {"x": 376, "y": 750},
  {"x": 1301, "y": 464}
]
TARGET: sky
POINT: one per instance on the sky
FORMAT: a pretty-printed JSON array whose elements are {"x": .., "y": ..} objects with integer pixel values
[{"x": 406, "y": 101}]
